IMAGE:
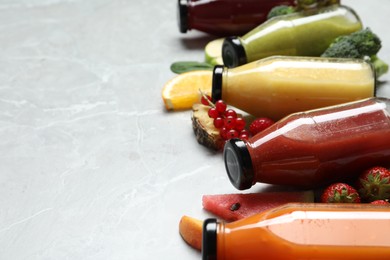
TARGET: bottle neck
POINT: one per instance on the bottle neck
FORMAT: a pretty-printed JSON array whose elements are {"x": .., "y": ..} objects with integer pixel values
[
  {"x": 209, "y": 239},
  {"x": 216, "y": 90},
  {"x": 219, "y": 83},
  {"x": 238, "y": 164},
  {"x": 182, "y": 15},
  {"x": 233, "y": 52}
]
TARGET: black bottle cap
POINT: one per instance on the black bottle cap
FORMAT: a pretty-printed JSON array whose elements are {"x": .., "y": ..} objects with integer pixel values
[
  {"x": 209, "y": 239},
  {"x": 216, "y": 90},
  {"x": 238, "y": 164},
  {"x": 182, "y": 15},
  {"x": 233, "y": 53}
]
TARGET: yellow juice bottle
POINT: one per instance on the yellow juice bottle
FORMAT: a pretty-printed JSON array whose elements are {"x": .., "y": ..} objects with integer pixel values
[{"x": 280, "y": 85}]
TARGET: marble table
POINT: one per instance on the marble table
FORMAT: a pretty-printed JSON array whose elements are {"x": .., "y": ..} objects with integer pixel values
[{"x": 91, "y": 164}]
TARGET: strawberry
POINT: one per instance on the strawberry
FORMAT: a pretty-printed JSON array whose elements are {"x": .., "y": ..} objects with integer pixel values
[
  {"x": 340, "y": 193},
  {"x": 259, "y": 124},
  {"x": 374, "y": 184},
  {"x": 380, "y": 202}
]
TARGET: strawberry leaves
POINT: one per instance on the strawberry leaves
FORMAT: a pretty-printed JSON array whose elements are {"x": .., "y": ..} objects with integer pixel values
[
  {"x": 374, "y": 184},
  {"x": 340, "y": 193}
]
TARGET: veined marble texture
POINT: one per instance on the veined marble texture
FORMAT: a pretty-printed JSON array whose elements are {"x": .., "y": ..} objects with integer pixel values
[{"x": 91, "y": 164}]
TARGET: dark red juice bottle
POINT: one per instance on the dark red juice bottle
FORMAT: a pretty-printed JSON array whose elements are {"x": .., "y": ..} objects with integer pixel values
[
  {"x": 313, "y": 148},
  {"x": 224, "y": 17}
]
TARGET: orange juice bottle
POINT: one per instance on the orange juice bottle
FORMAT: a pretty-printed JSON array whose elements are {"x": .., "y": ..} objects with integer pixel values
[{"x": 302, "y": 231}]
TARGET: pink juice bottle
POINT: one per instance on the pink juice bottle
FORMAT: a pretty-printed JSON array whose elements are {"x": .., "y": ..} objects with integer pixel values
[{"x": 314, "y": 148}]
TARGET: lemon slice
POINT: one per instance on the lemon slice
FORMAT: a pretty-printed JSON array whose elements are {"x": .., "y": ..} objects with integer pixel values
[{"x": 182, "y": 91}]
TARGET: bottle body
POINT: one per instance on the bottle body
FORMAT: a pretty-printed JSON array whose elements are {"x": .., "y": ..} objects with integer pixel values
[
  {"x": 306, "y": 231},
  {"x": 225, "y": 17},
  {"x": 280, "y": 85},
  {"x": 305, "y": 33},
  {"x": 314, "y": 148}
]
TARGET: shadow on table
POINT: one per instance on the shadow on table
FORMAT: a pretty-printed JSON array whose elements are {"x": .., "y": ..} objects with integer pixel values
[{"x": 197, "y": 42}]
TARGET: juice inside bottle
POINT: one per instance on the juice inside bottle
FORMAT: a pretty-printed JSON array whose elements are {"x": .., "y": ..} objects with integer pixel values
[
  {"x": 303, "y": 231},
  {"x": 280, "y": 85},
  {"x": 314, "y": 148},
  {"x": 224, "y": 17},
  {"x": 305, "y": 33}
]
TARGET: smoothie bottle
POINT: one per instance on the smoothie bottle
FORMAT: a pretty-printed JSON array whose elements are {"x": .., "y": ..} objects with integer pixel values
[
  {"x": 302, "y": 231},
  {"x": 305, "y": 33},
  {"x": 281, "y": 85},
  {"x": 224, "y": 17},
  {"x": 314, "y": 148}
]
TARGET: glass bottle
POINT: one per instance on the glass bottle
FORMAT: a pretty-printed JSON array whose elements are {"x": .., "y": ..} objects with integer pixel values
[
  {"x": 302, "y": 231},
  {"x": 280, "y": 85},
  {"x": 305, "y": 33},
  {"x": 314, "y": 148},
  {"x": 311, "y": 4},
  {"x": 224, "y": 17}
]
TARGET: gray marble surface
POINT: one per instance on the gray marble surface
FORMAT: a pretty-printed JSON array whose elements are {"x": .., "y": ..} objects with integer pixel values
[{"x": 91, "y": 164}]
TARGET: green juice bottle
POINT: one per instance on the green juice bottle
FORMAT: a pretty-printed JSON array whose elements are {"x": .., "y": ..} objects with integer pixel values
[{"x": 305, "y": 33}]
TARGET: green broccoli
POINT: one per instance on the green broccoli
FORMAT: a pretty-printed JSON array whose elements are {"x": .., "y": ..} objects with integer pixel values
[
  {"x": 280, "y": 10},
  {"x": 380, "y": 66},
  {"x": 363, "y": 44}
]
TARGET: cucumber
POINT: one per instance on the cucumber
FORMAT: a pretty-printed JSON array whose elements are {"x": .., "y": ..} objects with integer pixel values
[{"x": 213, "y": 52}]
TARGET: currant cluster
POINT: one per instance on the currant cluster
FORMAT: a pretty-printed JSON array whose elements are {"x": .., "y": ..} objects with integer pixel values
[{"x": 230, "y": 125}]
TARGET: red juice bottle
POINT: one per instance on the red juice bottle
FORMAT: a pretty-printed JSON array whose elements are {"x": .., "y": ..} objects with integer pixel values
[
  {"x": 314, "y": 148},
  {"x": 302, "y": 231},
  {"x": 224, "y": 17}
]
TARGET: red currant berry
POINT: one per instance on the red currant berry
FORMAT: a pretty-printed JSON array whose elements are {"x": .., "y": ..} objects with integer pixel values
[
  {"x": 230, "y": 112},
  {"x": 223, "y": 132},
  {"x": 243, "y": 137},
  {"x": 230, "y": 122},
  {"x": 232, "y": 134},
  {"x": 220, "y": 106},
  {"x": 205, "y": 100},
  {"x": 213, "y": 113},
  {"x": 260, "y": 124},
  {"x": 239, "y": 123},
  {"x": 219, "y": 122},
  {"x": 245, "y": 132}
]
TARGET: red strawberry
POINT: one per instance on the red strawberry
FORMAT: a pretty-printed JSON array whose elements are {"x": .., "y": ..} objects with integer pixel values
[
  {"x": 374, "y": 184},
  {"x": 340, "y": 193},
  {"x": 259, "y": 124},
  {"x": 380, "y": 202}
]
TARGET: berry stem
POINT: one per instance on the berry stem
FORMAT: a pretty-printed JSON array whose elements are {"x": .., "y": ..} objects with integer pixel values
[{"x": 211, "y": 104}]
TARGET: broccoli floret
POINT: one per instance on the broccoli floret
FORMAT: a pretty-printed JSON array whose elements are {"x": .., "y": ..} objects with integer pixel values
[
  {"x": 280, "y": 10},
  {"x": 342, "y": 47},
  {"x": 355, "y": 45},
  {"x": 380, "y": 66},
  {"x": 363, "y": 44}
]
